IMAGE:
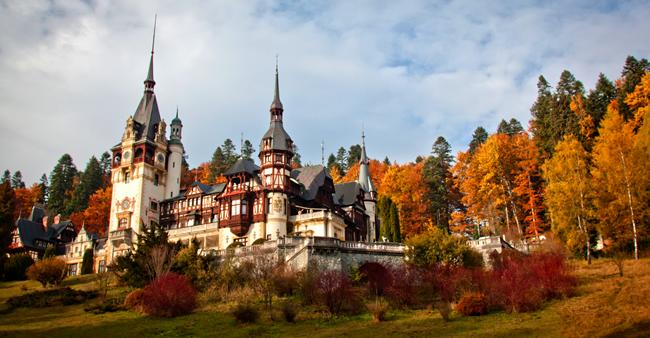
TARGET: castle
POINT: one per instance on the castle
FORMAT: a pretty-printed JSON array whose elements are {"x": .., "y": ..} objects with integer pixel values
[
  {"x": 272, "y": 203},
  {"x": 255, "y": 204}
]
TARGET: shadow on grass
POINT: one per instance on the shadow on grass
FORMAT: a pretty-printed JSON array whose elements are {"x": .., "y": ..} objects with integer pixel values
[{"x": 637, "y": 330}]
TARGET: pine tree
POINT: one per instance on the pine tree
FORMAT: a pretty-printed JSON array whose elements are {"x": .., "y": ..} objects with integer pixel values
[
  {"x": 354, "y": 155},
  {"x": 44, "y": 188},
  {"x": 61, "y": 181},
  {"x": 599, "y": 98},
  {"x": 479, "y": 137},
  {"x": 17, "y": 180},
  {"x": 386, "y": 161},
  {"x": 437, "y": 177},
  {"x": 247, "y": 149},
  {"x": 632, "y": 73},
  {"x": 342, "y": 160},
  {"x": 386, "y": 226},
  {"x": 7, "y": 205},
  {"x": 6, "y": 177},
  {"x": 229, "y": 153},
  {"x": 105, "y": 165},
  {"x": 217, "y": 165},
  {"x": 296, "y": 160},
  {"x": 91, "y": 181}
]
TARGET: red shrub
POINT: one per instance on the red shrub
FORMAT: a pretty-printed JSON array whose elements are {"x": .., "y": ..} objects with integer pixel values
[
  {"x": 553, "y": 275},
  {"x": 472, "y": 304},
  {"x": 405, "y": 287},
  {"x": 169, "y": 295},
  {"x": 334, "y": 289},
  {"x": 376, "y": 276}
]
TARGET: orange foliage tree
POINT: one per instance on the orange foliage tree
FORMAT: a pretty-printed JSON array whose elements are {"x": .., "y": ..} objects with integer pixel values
[
  {"x": 25, "y": 200},
  {"x": 96, "y": 216},
  {"x": 404, "y": 184}
]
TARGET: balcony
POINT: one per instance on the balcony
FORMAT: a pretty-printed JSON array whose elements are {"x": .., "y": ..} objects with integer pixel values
[
  {"x": 120, "y": 236},
  {"x": 193, "y": 230}
]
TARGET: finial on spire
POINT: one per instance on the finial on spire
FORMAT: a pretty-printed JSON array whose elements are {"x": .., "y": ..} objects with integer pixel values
[
  {"x": 149, "y": 83},
  {"x": 176, "y": 111},
  {"x": 276, "y": 106}
]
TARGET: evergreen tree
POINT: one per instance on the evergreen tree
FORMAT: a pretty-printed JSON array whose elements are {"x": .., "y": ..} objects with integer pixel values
[
  {"x": 386, "y": 226},
  {"x": 632, "y": 73},
  {"x": 87, "y": 263},
  {"x": 229, "y": 153},
  {"x": 105, "y": 165},
  {"x": 43, "y": 186},
  {"x": 331, "y": 161},
  {"x": 61, "y": 181},
  {"x": 599, "y": 98},
  {"x": 50, "y": 251},
  {"x": 217, "y": 165},
  {"x": 7, "y": 205},
  {"x": 91, "y": 181},
  {"x": 354, "y": 155},
  {"x": 479, "y": 137},
  {"x": 247, "y": 149},
  {"x": 17, "y": 180},
  {"x": 6, "y": 177},
  {"x": 394, "y": 221},
  {"x": 296, "y": 157},
  {"x": 437, "y": 176},
  {"x": 342, "y": 160},
  {"x": 386, "y": 161}
]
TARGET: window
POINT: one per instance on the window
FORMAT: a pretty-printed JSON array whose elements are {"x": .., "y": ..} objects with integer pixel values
[
  {"x": 243, "y": 207},
  {"x": 72, "y": 269},
  {"x": 156, "y": 178},
  {"x": 235, "y": 207},
  {"x": 173, "y": 164},
  {"x": 123, "y": 222},
  {"x": 154, "y": 206},
  {"x": 102, "y": 266},
  {"x": 127, "y": 177}
]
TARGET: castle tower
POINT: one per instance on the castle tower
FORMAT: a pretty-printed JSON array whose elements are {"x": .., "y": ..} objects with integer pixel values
[
  {"x": 276, "y": 152},
  {"x": 174, "y": 158},
  {"x": 370, "y": 193},
  {"x": 139, "y": 170}
]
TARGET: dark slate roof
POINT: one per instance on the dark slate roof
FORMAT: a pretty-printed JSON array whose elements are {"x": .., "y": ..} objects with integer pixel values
[
  {"x": 30, "y": 231},
  {"x": 204, "y": 187},
  {"x": 279, "y": 137},
  {"x": 246, "y": 165},
  {"x": 147, "y": 116},
  {"x": 346, "y": 193},
  {"x": 207, "y": 189},
  {"x": 54, "y": 230},
  {"x": 37, "y": 215},
  {"x": 311, "y": 178}
]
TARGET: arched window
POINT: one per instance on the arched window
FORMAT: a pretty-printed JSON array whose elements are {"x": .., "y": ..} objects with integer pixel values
[{"x": 123, "y": 222}]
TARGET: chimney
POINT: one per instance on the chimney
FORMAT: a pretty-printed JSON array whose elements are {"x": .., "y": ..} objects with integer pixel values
[
  {"x": 44, "y": 220},
  {"x": 57, "y": 218}
]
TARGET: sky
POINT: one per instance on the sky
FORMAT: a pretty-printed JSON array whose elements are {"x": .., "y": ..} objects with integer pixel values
[{"x": 72, "y": 72}]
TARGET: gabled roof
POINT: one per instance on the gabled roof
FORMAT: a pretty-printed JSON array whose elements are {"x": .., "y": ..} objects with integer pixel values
[
  {"x": 311, "y": 178},
  {"x": 30, "y": 231},
  {"x": 54, "y": 230},
  {"x": 347, "y": 193},
  {"x": 243, "y": 165}
]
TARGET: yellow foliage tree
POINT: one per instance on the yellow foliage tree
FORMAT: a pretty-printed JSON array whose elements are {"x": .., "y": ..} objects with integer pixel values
[{"x": 568, "y": 194}]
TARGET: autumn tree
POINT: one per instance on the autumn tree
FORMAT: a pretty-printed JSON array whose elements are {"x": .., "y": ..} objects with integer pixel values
[
  {"x": 61, "y": 184},
  {"x": 633, "y": 71},
  {"x": 617, "y": 170},
  {"x": 404, "y": 185},
  {"x": 7, "y": 206},
  {"x": 96, "y": 215},
  {"x": 568, "y": 194},
  {"x": 25, "y": 198}
]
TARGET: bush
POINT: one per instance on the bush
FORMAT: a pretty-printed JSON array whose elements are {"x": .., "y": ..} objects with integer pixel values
[
  {"x": 378, "y": 310},
  {"x": 169, "y": 295},
  {"x": 472, "y": 304},
  {"x": 377, "y": 277},
  {"x": 16, "y": 266},
  {"x": 108, "y": 305},
  {"x": 307, "y": 281},
  {"x": 58, "y": 297},
  {"x": 135, "y": 300},
  {"x": 245, "y": 312},
  {"x": 50, "y": 252},
  {"x": 284, "y": 281},
  {"x": 405, "y": 286},
  {"x": 289, "y": 312},
  {"x": 438, "y": 247},
  {"x": 50, "y": 271},
  {"x": 334, "y": 288}
]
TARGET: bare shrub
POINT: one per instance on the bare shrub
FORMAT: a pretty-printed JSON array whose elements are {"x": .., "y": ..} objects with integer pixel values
[
  {"x": 378, "y": 310},
  {"x": 245, "y": 312},
  {"x": 334, "y": 288},
  {"x": 289, "y": 311},
  {"x": 160, "y": 260}
]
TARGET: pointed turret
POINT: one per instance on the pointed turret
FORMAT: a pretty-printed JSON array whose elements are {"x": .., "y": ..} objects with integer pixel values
[
  {"x": 364, "y": 173},
  {"x": 177, "y": 127},
  {"x": 276, "y": 105},
  {"x": 147, "y": 114}
]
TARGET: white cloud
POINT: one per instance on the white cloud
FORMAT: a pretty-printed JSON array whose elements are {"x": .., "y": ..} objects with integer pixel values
[{"x": 72, "y": 71}]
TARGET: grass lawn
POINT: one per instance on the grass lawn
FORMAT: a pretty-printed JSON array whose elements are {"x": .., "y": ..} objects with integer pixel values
[{"x": 606, "y": 304}]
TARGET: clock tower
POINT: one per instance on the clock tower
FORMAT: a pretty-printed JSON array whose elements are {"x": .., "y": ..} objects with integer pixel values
[{"x": 146, "y": 169}]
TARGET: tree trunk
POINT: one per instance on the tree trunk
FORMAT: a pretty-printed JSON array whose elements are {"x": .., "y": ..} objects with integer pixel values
[{"x": 629, "y": 201}]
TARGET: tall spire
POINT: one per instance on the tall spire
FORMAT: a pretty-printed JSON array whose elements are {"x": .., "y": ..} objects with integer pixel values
[
  {"x": 149, "y": 83},
  {"x": 364, "y": 172},
  {"x": 276, "y": 105}
]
